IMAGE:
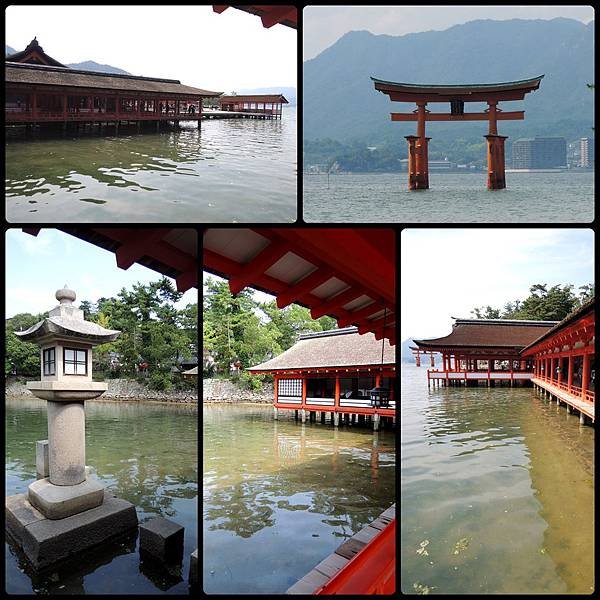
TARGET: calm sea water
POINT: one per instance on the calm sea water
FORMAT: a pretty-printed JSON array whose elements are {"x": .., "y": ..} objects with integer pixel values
[
  {"x": 234, "y": 170},
  {"x": 280, "y": 496},
  {"x": 452, "y": 198},
  {"x": 144, "y": 453},
  {"x": 501, "y": 485}
]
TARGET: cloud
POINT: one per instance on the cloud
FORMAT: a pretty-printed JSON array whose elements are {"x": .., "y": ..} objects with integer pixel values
[{"x": 447, "y": 272}]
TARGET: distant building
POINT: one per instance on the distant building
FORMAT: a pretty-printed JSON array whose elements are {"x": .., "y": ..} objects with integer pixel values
[
  {"x": 434, "y": 165},
  {"x": 587, "y": 152},
  {"x": 539, "y": 153}
]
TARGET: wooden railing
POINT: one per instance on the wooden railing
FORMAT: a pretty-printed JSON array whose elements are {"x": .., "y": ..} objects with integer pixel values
[
  {"x": 574, "y": 390},
  {"x": 371, "y": 571}
]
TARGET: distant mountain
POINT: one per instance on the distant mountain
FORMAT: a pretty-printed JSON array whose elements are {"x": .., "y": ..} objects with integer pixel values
[
  {"x": 288, "y": 92},
  {"x": 90, "y": 65},
  {"x": 341, "y": 103},
  {"x": 9, "y": 50}
]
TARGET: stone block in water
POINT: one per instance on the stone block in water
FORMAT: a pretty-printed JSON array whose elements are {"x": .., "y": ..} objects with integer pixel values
[
  {"x": 41, "y": 459},
  {"x": 193, "y": 577},
  {"x": 162, "y": 539}
]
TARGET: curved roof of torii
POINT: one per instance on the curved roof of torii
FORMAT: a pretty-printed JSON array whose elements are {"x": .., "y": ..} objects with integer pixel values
[{"x": 468, "y": 92}]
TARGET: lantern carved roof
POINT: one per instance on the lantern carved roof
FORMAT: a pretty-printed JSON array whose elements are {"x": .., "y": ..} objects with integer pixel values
[{"x": 67, "y": 321}]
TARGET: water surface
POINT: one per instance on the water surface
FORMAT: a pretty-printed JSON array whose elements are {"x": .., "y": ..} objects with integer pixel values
[
  {"x": 233, "y": 170},
  {"x": 279, "y": 496},
  {"x": 452, "y": 198},
  {"x": 144, "y": 453},
  {"x": 509, "y": 475}
]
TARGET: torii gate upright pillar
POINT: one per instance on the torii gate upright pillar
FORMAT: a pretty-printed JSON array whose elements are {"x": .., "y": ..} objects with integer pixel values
[
  {"x": 495, "y": 151},
  {"x": 418, "y": 155}
]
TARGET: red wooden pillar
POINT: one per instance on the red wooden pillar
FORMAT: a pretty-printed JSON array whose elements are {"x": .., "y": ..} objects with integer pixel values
[
  {"x": 64, "y": 107},
  {"x": 303, "y": 391},
  {"x": 570, "y": 372},
  {"x": 336, "y": 394},
  {"x": 34, "y": 105},
  {"x": 275, "y": 390},
  {"x": 412, "y": 161},
  {"x": 585, "y": 375},
  {"x": 432, "y": 359},
  {"x": 495, "y": 162},
  {"x": 559, "y": 373}
]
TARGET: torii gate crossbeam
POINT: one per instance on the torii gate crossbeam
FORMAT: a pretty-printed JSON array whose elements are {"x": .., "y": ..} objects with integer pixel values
[{"x": 456, "y": 95}]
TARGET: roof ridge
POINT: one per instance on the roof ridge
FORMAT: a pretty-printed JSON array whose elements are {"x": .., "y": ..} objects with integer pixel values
[{"x": 87, "y": 72}]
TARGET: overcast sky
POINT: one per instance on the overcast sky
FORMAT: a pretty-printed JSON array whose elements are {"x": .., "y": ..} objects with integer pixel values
[
  {"x": 37, "y": 266},
  {"x": 447, "y": 272},
  {"x": 203, "y": 49},
  {"x": 324, "y": 25}
]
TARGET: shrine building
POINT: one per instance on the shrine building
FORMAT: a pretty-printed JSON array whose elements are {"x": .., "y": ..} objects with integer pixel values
[
  {"x": 556, "y": 357},
  {"x": 333, "y": 372},
  {"x": 456, "y": 96},
  {"x": 270, "y": 105},
  {"x": 39, "y": 89}
]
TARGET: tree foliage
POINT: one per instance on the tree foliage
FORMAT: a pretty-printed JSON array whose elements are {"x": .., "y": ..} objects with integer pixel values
[
  {"x": 153, "y": 331},
  {"x": 242, "y": 328},
  {"x": 543, "y": 304}
]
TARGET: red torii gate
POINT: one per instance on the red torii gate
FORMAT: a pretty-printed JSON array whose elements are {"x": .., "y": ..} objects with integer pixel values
[{"x": 456, "y": 95}]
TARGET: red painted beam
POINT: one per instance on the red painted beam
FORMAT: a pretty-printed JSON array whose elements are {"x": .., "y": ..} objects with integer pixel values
[
  {"x": 309, "y": 283},
  {"x": 358, "y": 315},
  {"x": 276, "y": 14},
  {"x": 371, "y": 571},
  {"x": 139, "y": 244},
  {"x": 219, "y": 8},
  {"x": 517, "y": 115},
  {"x": 187, "y": 280},
  {"x": 31, "y": 230},
  {"x": 265, "y": 259},
  {"x": 338, "y": 301}
]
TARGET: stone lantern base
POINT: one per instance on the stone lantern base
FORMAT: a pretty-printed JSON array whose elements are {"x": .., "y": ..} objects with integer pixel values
[
  {"x": 46, "y": 542},
  {"x": 60, "y": 501}
]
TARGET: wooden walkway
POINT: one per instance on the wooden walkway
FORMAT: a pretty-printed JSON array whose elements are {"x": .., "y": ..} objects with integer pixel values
[
  {"x": 586, "y": 408},
  {"x": 335, "y": 563}
]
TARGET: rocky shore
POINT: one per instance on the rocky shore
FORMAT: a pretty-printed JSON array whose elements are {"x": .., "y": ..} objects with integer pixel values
[
  {"x": 229, "y": 392},
  {"x": 118, "y": 390}
]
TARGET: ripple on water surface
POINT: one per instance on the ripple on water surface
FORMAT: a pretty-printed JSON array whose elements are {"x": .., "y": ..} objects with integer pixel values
[
  {"x": 452, "y": 198},
  {"x": 500, "y": 485},
  {"x": 229, "y": 171}
]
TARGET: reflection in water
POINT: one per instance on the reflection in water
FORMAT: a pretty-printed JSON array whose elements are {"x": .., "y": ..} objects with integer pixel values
[
  {"x": 230, "y": 170},
  {"x": 143, "y": 453},
  {"x": 505, "y": 472},
  {"x": 279, "y": 495}
]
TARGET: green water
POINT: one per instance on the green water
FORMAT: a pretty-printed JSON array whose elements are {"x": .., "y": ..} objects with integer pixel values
[
  {"x": 501, "y": 485},
  {"x": 144, "y": 453},
  {"x": 236, "y": 170},
  {"x": 279, "y": 496}
]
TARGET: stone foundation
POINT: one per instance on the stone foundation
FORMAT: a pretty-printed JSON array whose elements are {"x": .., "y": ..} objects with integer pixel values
[{"x": 45, "y": 541}]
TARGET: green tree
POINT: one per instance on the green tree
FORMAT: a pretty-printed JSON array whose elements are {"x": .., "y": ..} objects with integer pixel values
[{"x": 21, "y": 358}]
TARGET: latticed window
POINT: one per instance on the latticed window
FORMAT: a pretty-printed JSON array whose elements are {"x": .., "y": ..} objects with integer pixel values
[
  {"x": 290, "y": 387},
  {"x": 49, "y": 361},
  {"x": 75, "y": 361}
]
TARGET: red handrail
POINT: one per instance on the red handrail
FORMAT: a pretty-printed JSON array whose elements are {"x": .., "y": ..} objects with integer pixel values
[{"x": 371, "y": 571}]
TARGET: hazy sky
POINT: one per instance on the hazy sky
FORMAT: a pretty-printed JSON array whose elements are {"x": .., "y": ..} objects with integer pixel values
[
  {"x": 324, "y": 25},
  {"x": 203, "y": 49},
  {"x": 38, "y": 266},
  {"x": 447, "y": 272}
]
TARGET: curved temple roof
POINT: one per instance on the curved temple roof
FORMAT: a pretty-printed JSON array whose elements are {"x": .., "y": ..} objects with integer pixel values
[
  {"x": 335, "y": 348},
  {"x": 23, "y": 73},
  {"x": 60, "y": 325},
  {"x": 512, "y": 90},
  {"x": 489, "y": 333}
]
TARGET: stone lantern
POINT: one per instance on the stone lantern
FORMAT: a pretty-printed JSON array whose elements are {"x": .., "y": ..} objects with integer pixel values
[
  {"x": 66, "y": 512},
  {"x": 66, "y": 341}
]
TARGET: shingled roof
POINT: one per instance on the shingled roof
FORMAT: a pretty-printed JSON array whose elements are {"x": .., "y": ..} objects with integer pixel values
[
  {"x": 63, "y": 76},
  {"x": 335, "y": 348},
  {"x": 490, "y": 333}
]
